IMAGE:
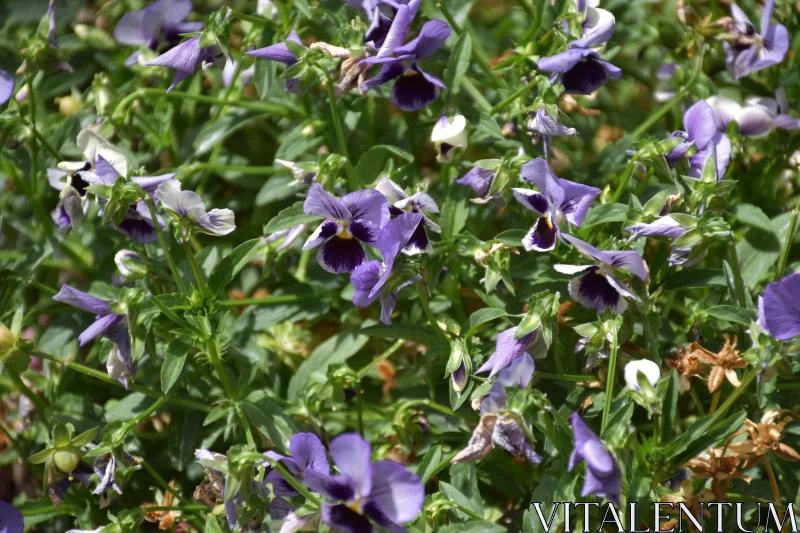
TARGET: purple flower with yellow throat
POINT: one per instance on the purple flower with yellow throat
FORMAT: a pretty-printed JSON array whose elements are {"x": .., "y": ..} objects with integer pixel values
[
  {"x": 414, "y": 88},
  {"x": 598, "y": 287},
  {"x": 371, "y": 278},
  {"x": 384, "y": 492},
  {"x": 559, "y": 200},
  {"x": 354, "y": 219}
]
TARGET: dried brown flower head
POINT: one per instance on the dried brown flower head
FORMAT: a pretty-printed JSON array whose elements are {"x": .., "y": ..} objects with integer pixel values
[
  {"x": 691, "y": 500},
  {"x": 688, "y": 363},
  {"x": 765, "y": 436},
  {"x": 164, "y": 519},
  {"x": 724, "y": 364},
  {"x": 721, "y": 466}
]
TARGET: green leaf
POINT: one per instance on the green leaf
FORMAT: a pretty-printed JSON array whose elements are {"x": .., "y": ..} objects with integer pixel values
[
  {"x": 302, "y": 7},
  {"x": 693, "y": 278},
  {"x": 455, "y": 212},
  {"x": 480, "y": 317},
  {"x": 288, "y": 218},
  {"x": 214, "y": 132},
  {"x": 85, "y": 438},
  {"x": 753, "y": 216},
  {"x": 473, "y": 526},
  {"x": 455, "y": 495},
  {"x": 487, "y": 125},
  {"x": 427, "y": 468},
  {"x": 604, "y": 214},
  {"x": 511, "y": 237},
  {"x": 41, "y": 457},
  {"x": 337, "y": 349},
  {"x": 372, "y": 162},
  {"x": 669, "y": 405},
  {"x": 232, "y": 264},
  {"x": 212, "y": 526},
  {"x": 701, "y": 435},
  {"x": 270, "y": 419},
  {"x": 731, "y": 313},
  {"x": 184, "y": 437},
  {"x": 412, "y": 332},
  {"x": 459, "y": 63},
  {"x": 174, "y": 359}
]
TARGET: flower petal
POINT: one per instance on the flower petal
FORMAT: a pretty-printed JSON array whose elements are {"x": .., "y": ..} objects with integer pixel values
[
  {"x": 564, "y": 61},
  {"x": 480, "y": 179},
  {"x": 99, "y": 327},
  {"x": 392, "y": 191},
  {"x": 431, "y": 37},
  {"x": 594, "y": 291},
  {"x": 367, "y": 204},
  {"x": 308, "y": 451},
  {"x": 780, "y": 308},
  {"x": 339, "y": 256},
  {"x": 324, "y": 231},
  {"x": 353, "y": 457},
  {"x": 507, "y": 350},
  {"x": 6, "y": 86},
  {"x": 364, "y": 231},
  {"x": 396, "y": 492},
  {"x": 700, "y": 124},
  {"x": 364, "y": 279},
  {"x": 415, "y": 89},
  {"x": 277, "y": 52},
  {"x": 598, "y": 27},
  {"x": 396, "y": 234},
  {"x": 81, "y": 300},
  {"x": 342, "y": 518},
  {"x": 11, "y": 520},
  {"x": 320, "y": 203},
  {"x": 755, "y": 121},
  {"x": 388, "y": 72},
  {"x": 725, "y": 110},
  {"x": 542, "y": 236},
  {"x": 531, "y": 200}
]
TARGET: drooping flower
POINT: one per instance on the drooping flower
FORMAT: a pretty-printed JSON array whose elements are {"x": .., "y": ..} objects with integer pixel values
[
  {"x": 650, "y": 370},
  {"x": 559, "y": 200},
  {"x": 414, "y": 88},
  {"x": 701, "y": 132},
  {"x": 307, "y": 452},
  {"x": 580, "y": 70},
  {"x": 448, "y": 135},
  {"x": 479, "y": 179},
  {"x": 598, "y": 26},
  {"x": 303, "y": 173},
  {"x": 420, "y": 202},
  {"x": 751, "y": 51},
  {"x": 598, "y": 288},
  {"x": 356, "y": 218},
  {"x": 107, "y": 324},
  {"x": 545, "y": 125},
  {"x": 779, "y": 308},
  {"x": 6, "y": 86},
  {"x": 758, "y": 116},
  {"x": 603, "y": 476},
  {"x": 184, "y": 59},
  {"x": 281, "y": 53},
  {"x": 288, "y": 235},
  {"x": 188, "y": 206},
  {"x": 290, "y": 521},
  {"x": 508, "y": 350},
  {"x": 385, "y": 492},
  {"x": 664, "y": 90},
  {"x": 517, "y": 374},
  {"x": 371, "y": 277},
  {"x": 11, "y": 520},
  {"x": 665, "y": 226},
  {"x": 159, "y": 24}
]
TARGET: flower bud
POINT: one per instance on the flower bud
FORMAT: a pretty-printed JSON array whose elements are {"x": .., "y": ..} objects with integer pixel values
[
  {"x": 447, "y": 136},
  {"x": 68, "y": 105},
  {"x": 648, "y": 369},
  {"x": 7, "y": 339},
  {"x": 66, "y": 461},
  {"x": 129, "y": 263}
]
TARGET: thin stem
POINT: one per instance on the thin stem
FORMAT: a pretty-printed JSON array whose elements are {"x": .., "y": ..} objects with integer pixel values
[
  {"x": 652, "y": 340},
  {"x": 160, "y": 480},
  {"x": 360, "y": 407},
  {"x": 612, "y": 369},
  {"x": 269, "y": 300},
  {"x": 230, "y": 391},
  {"x": 229, "y": 90},
  {"x": 34, "y": 140},
  {"x": 773, "y": 482},
  {"x": 354, "y": 180},
  {"x": 577, "y": 378},
  {"x": 38, "y": 401},
  {"x": 382, "y": 357},
  {"x": 513, "y": 96},
  {"x": 624, "y": 182},
  {"x": 44, "y": 142},
  {"x": 664, "y": 109},
  {"x": 715, "y": 401},
  {"x": 134, "y": 387},
  {"x": 476, "y": 95},
  {"x": 748, "y": 378},
  {"x": 787, "y": 245},
  {"x": 299, "y": 487},
  {"x": 737, "y": 274},
  {"x": 527, "y": 8},
  {"x": 198, "y": 274},
  {"x": 426, "y": 307},
  {"x": 141, "y": 416},
  {"x": 697, "y": 403},
  {"x": 171, "y": 262},
  {"x": 265, "y": 171}
]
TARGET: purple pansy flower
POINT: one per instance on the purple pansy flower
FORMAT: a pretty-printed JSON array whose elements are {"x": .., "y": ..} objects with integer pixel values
[
  {"x": 508, "y": 350},
  {"x": 307, "y": 452},
  {"x": 107, "y": 324},
  {"x": 415, "y": 88},
  {"x": 370, "y": 278},
  {"x": 753, "y": 51},
  {"x": 582, "y": 71},
  {"x": 559, "y": 200},
  {"x": 6, "y": 86},
  {"x": 758, "y": 116},
  {"x": 10, "y": 519},
  {"x": 779, "y": 308},
  {"x": 188, "y": 206},
  {"x": 290, "y": 522},
  {"x": 517, "y": 374},
  {"x": 355, "y": 219},
  {"x": 480, "y": 179},
  {"x": 282, "y": 54},
  {"x": 421, "y": 202},
  {"x": 702, "y": 133},
  {"x": 385, "y": 492},
  {"x": 184, "y": 59},
  {"x": 598, "y": 27},
  {"x": 160, "y": 23},
  {"x": 603, "y": 477},
  {"x": 545, "y": 125},
  {"x": 598, "y": 288},
  {"x": 665, "y": 226}
]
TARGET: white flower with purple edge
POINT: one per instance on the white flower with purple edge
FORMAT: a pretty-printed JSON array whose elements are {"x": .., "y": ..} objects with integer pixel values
[
  {"x": 189, "y": 206},
  {"x": 447, "y": 135}
]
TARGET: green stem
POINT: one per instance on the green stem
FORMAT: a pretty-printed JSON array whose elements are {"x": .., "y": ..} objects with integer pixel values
[
  {"x": 527, "y": 8},
  {"x": 566, "y": 377},
  {"x": 38, "y": 401},
  {"x": 382, "y": 357},
  {"x": 354, "y": 181},
  {"x": 664, "y": 109},
  {"x": 34, "y": 140},
  {"x": 44, "y": 142},
  {"x": 426, "y": 307},
  {"x": 513, "y": 96},
  {"x": 624, "y": 182},
  {"x": 697, "y": 403},
  {"x": 360, "y": 407},
  {"x": 652, "y": 340},
  {"x": 299, "y": 487},
  {"x": 226, "y": 97},
  {"x": 265, "y": 171},
  {"x": 787, "y": 245},
  {"x": 130, "y": 424},
  {"x": 612, "y": 370},
  {"x": 133, "y": 387},
  {"x": 269, "y": 300},
  {"x": 230, "y": 391},
  {"x": 198, "y": 274},
  {"x": 176, "y": 275},
  {"x": 160, "y": 480},
  {"x": 737, "y": 274},
  {"x": 476, "y": 95}
]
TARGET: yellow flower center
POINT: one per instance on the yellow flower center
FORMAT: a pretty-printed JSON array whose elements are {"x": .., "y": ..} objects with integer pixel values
[{"x": 345, "y": 233}]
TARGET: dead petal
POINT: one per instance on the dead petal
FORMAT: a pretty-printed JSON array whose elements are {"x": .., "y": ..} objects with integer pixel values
[
  {"x": 480, "y": 444},
  {"x": 715, "y": 379},
  {"x": 787, "y": 453},
  {"x": 733, "y": 379}
]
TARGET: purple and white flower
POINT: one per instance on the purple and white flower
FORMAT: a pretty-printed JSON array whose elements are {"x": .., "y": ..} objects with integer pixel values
[
  {"x": 517, "y": 374},
  {"x": 6, "y": 86},
  {"x": 307, "y": 453},
  {"x": 508, "y": 350},
  {"x": 185, "y": 58},
  {"x": 650, "y": 370},
  {"x": 11, "y": 520},
  {"x": 779, "y": 308},
  {"x": 290, "y": 522},
  {"x": 371, "y": 277},
  {"x": 598, "y": 288},
  {"x": 303, "y": 173},
  {"x": 558, "y": 200},
  {"x": 702, "y": 133},
  {"x": 188, "y": 207},
  {"x": 603, "y": 476},
  {"x": 354, "y": 219},
  {"x": 385, "y": 492},
  {"x": 159, "y": 24},
  {"x": 107, "y": 324},
  {"x": 665, "y": 226},
  {"x": 598, "y": 27},
  {"x": 448, "y": 135},
  {"x": 281, "y": 53},
  {"x": 545, "y": 125},
  {"x": 420, "y": 202},
  {"x": 480, "y": 180},
  {"x": 580, "y": 70},
  {"x": 414, "y": 88},
  {"x": 758, "y": 116},
  {"x": 751, "y": 51}
]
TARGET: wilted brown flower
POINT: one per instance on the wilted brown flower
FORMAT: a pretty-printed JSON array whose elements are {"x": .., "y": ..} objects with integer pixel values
[
  {"x": 691, "y": 500},
  {"x": 719, "y": 466},
  {"x": 766, "y": 436},
  {"x": 725, "y": 362},
  {"x": 164, "y": 519},
  {"x": 688, "y": 363},
  {"x": 351, "y": 73}
]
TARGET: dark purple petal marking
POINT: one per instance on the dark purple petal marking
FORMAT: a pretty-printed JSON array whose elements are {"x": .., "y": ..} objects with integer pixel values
[
  {"x": 342, "y": 518},
  {"x": 339, "y": 256},
  {"x": 414, "y": 90},
  {"x": 542, "y": 236},
  {"x": 593, "y": 290}
]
